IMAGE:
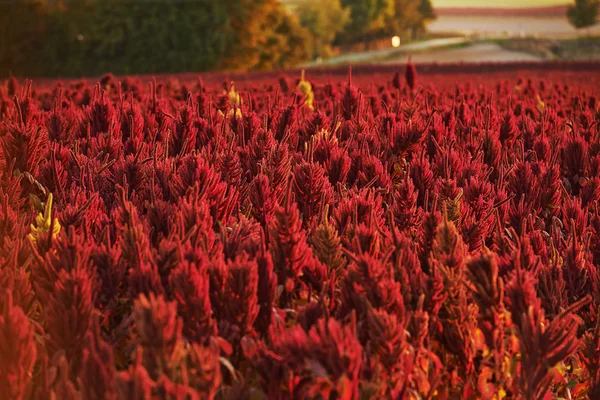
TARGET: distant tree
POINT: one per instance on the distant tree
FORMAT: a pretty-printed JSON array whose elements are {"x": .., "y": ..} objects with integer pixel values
[
  {"x": 406, "y": 15},
  {"x": 583, "y": 13},
  {"x": 368, "y": 19},
  {"x": 262, "y": 34},
  {"x": 373, "y": 19},
  {"x": 75, "y": 37},
  {"x": 150, "y": 36},
  {"x": 246, "y": 31},
  {"x": 23, "y": 24},
  {"x": 426, "y": 14},
  {"x": 72, "y": 38},
  {"x": 427, "y": 11},
  {"x": 325, "y": 19},
  {"x": 286, "y": 43}
]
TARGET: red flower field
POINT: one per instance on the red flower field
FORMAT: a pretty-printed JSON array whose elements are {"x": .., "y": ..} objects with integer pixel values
[{"x": 399, "y": 233}]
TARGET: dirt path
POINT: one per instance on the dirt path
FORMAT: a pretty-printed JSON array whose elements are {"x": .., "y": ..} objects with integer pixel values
[
  {"x": 432, "y": 51},
  {"x": 479, "y": 52},
  {"x": 382, "y": 54}
]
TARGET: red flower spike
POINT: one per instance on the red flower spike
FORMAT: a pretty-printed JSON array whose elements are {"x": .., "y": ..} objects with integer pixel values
[
  {"x": 158, "y": 335},
  {"x": 135, "y": 383},
  {"x": 463, "y": 232},
  {"x": 95, "y": 378},
  {"x": 190, "y": 286},
  {"x": 410, "y": 74},
  {"x": 18, "y": 351}
]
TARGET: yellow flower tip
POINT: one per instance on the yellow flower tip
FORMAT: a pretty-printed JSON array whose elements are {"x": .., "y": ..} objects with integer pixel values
[
  {"x": 237, "y": 115},
  {"x": 234, "y": 97},
  {"x": 48, "y": 207},
  {"x": 309, "y": 101},
  {"x": 44, "y": 223},
  {"x": 305, "y": 88},
  {"x": 540, "y": 104}
]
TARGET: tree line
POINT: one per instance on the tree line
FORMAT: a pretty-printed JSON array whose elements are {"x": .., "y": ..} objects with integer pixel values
[
  {"x": 583, "y": 13},
  {"x": 332, "y": 22},
  {"x": 89, "y": 37}
]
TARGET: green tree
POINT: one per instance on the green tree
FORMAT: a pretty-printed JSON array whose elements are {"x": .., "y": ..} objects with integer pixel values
[
  {"x": 89, "y": 37},
  {"x": 77, "y": 37},
  {"x": 263, "y": 34},
  {"x": 286, "y": 43},
  {"x": 246, "y": 30},
  {"x": 426, "y": 14},
  {"x": 23, "y": 24},
  {"x": 325, "y": 19},
  {"x": 406, "y": 15},
  {"x": 368, "y": 19},
  {"x": 583, "y": 13},
  {"x": 127, "y": 36}
]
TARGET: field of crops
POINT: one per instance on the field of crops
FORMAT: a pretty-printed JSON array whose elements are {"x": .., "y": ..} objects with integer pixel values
[{"x": 401, "y": 234}]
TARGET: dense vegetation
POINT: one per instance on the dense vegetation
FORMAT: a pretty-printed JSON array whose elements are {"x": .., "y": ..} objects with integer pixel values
[
  {"x": 73, "y": 38},
  {"x": 406, "y": 237},
  {"x": 583, "y": 13}
]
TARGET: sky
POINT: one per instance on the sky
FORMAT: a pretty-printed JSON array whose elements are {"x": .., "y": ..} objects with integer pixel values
[{"x": 497, "y": 3}]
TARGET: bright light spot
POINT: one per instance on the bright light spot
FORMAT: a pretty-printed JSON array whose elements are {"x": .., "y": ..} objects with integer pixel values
[{"x": 396, "y": 41}]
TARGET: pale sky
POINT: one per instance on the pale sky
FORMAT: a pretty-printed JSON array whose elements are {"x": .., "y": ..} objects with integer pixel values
[{"x": 498, "y": 3}]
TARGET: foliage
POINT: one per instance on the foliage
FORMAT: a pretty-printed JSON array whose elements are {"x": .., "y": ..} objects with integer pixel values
[
  {"x": 434, "y": 235},
  {"x": 23, "y": 25},
  {"x": 367, "y": 19},
  {"x": 324, "y": 20},
  {"x": 583, "y": 13},
  {"x": 382, "y": 18},
  {"x": 124, "y": 36},
  {"x": 286, "y": 43},
  {"x": 426, "y": 10},
  {"x": 426, "y": 14},
  {"x": 188, "y": 35},
  {"x": 406, "y": 15}
]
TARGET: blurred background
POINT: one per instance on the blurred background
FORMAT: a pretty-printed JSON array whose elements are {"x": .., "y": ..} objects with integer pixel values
[{"x": 75, "y": 38}]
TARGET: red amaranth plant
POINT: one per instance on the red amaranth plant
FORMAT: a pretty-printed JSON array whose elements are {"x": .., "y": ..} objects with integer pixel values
[
  {"x": 17, "y": 351},
  {"x": 541, "y": 346},
  {"x": 358, "y": 239},
  {"x": 158, "y": 334},
  {"x": 410, "y": 74}
]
